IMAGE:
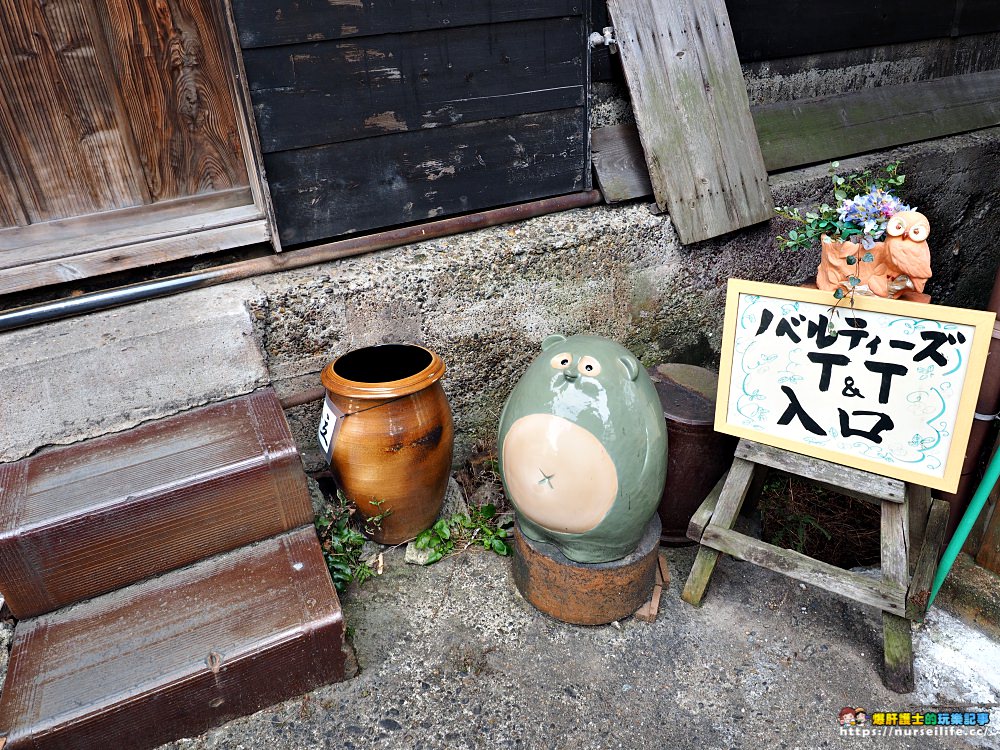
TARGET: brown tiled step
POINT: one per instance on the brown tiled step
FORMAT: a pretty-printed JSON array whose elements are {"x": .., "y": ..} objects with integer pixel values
[
  {"x": 175, "y": 655},
  {"x": 82, "y": 520}
]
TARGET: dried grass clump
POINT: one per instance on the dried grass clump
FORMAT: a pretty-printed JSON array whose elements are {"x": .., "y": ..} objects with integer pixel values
[{"x": 824, "y": 525}]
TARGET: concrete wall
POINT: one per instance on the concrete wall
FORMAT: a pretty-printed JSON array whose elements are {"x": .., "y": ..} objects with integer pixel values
[{"x": 486, "y": 299}]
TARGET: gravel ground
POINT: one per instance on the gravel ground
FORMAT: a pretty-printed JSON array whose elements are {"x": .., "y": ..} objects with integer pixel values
[{"x": 452, "y": 657}]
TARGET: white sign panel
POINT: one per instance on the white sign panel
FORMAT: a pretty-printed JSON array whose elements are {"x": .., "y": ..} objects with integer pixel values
[{"x": 887, "y": 386}]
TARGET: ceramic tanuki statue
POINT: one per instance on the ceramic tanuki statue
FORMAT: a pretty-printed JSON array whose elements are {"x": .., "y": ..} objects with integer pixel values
[
  {"x": 901, "y": 263},
  {"x": 583, "y": 448}
]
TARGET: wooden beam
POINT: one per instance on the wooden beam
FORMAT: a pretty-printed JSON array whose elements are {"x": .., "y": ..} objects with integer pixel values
[
  {"x": 897, "y": 636},
  {"x": 809, "y": 131},
  {"x": 815, "y": 130},
  {"x": 246, "y": 124},
  {"x": 919, "y": 501},
  {"x": 927, "y": 562},
  {"x": 860, "y": 588},
  {"x": 702, "y": 516},
  {"x": 102, "y": 231},
  {"x": 731, "y": 498},
  {"x": 691, "y": 107},
  {"x": 619, "y": 163},
  {"x": 839, "y": 478},
  {"x": 101, "y": 262}
]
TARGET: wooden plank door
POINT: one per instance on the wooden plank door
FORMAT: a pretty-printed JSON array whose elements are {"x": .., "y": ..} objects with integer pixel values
[
  {"x": 121, "y": 139},
  {"x": 693, "y": 114}
]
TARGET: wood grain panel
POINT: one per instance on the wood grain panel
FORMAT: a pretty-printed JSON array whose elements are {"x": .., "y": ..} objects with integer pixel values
[
  {"x": 94, "y": 107},
  {"x": 691, "y": 107},
  {"x": 305, "y": 95},
  {"x": 170, "y": 66},
  {"x": 263, "y": 23},
  {"x": 376, "y": 182},
  {"x": 11, "y": 211},
  {"x": 58, "y": 124},
  {"x": 619, "y": 163}
]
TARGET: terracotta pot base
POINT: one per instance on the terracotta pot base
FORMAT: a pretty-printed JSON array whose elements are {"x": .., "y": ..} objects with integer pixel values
[{"x": 585, "y": 593}]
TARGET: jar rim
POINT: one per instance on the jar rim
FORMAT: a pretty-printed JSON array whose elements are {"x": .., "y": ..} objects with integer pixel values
[{"x": 337, "y": 384}]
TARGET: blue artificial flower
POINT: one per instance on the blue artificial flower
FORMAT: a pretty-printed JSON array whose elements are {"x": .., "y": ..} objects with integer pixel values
[{"x": 870, "y": 212}]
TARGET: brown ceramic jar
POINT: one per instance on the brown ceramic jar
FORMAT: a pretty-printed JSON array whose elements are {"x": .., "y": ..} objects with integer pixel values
[{"x": 392, "y": 452}]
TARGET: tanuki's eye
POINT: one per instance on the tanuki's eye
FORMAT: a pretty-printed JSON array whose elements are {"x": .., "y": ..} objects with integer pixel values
[
  {"x": 589, "y": 366},
  {"x": 562, "y": 361}
]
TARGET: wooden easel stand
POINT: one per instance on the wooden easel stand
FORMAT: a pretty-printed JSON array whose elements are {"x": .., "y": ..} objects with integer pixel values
[{"x": 910, "y": 520}]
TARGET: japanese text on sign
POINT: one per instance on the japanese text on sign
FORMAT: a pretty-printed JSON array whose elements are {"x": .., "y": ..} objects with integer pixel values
[{"x": 878, "y": 390}]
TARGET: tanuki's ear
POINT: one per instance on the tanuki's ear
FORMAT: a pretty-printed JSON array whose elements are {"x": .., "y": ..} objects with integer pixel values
[
  {"x": 552, "y": 340},
  {"x": 631, "y": 365}
]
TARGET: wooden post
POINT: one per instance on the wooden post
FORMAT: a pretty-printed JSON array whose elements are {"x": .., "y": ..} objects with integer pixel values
[
  {"x": 896, "y": 635},
  {"x": 734, "y": 492}
]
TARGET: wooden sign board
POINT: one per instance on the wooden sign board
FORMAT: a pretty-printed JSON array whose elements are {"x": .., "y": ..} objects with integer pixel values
[{"x": 888, "y": 387}]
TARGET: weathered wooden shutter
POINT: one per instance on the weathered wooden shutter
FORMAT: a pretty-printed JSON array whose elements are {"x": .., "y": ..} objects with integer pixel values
[
  {"x": 373, "y": 114},
  {"x": 694, "y": 121}
]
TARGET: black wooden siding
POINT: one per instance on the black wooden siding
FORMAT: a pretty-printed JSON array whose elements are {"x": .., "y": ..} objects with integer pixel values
[{"x": 373, "y": 114}]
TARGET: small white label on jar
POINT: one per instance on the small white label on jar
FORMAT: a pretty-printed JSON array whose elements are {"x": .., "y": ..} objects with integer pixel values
[{"x": 329, "y": 426}]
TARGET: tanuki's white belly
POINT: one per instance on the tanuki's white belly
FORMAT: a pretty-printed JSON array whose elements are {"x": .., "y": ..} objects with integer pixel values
[{"x": 558, "y": 474}]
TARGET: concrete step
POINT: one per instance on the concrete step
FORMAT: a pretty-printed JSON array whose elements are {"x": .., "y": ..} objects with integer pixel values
[
  {"x": 175, "y": 655},
  {"x": 82, "y": 520}
]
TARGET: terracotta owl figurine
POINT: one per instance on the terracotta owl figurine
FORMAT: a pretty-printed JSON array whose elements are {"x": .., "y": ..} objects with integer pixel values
[
  {"x": 905, "y": 260},
  {"x": 901, "y": 263},
  {"x": 583, "y": 448}
]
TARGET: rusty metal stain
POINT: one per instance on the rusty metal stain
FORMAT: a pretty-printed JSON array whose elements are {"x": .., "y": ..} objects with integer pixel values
[{"x": 214, "y": 661}]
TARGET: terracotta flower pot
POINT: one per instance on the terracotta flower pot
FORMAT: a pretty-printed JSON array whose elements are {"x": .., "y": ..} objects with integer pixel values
[{"x": 392, "y": 450}]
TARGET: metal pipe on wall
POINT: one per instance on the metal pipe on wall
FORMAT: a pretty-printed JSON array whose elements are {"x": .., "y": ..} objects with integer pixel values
[{"x": 86, "y": 303}]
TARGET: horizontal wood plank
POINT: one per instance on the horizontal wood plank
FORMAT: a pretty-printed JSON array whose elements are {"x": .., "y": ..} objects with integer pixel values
[
  {"x": 151, "y": 231},
  {"x": 350, "y": 187},
  {"x": 263, "y": 23},
  {"x": 824, "y": 128},
  {"x": 109, "y": 228},
  {"x": 768, "y": 29},
  {"x": 326, "y": 92},
  {"x": 619, "y": 163},
  {"x": 861, "y": 482},
  {"x": 101, "y": 262},
  {"x": 976, "y": 17},
  {"x": 886, "y": 596}
]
